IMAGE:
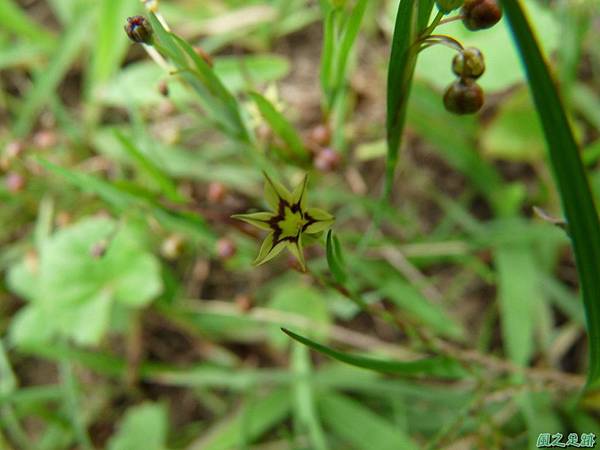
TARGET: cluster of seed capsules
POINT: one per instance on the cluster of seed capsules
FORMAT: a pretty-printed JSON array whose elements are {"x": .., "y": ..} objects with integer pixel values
[{"x": 465, "y": 96}]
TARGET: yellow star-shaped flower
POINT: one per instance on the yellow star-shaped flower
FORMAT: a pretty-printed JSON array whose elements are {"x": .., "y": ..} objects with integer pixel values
[{"x": 288, "y": 223}]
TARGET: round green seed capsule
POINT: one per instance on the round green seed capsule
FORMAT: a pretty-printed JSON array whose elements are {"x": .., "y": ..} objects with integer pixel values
[
  {"x": 464, "y": 96},
  {"x": 469, "y": 63}
]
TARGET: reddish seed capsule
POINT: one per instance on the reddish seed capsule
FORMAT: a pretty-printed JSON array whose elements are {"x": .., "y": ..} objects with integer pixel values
[
  {"x": 226, "y": 248},
  {"x": 139, "y": 30},
  {"x": 243, "y": 302},
  {"x": 481, "y": 14},
  {"x": 216, "y": 192},
  {"x": 469, "y": 63},
  {"x": 15, "y": 182},
  {"x": 45, "y": 139},
  {"x": 327, "y": 160},
  {"x": 320, "y": 135},
  {"x": 163, "y": 88},
  {"x": 14, "y": 149},
  {"x": 463, "y": 97}
]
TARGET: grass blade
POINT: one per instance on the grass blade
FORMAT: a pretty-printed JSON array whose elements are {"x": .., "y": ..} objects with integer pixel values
[
  {"x": 328, "y": 53},
  {"x": 360, "y": 426},
  {"x": 280, "y": 126},
  {"x": 436, "y": 366},
  {"x": 110, "y": 44},
  {"x": 570, "y": 177},
  {"x": 334, "y": 259},
  {"x": 48, "y": 79},
  {"x": 168, "y": 188},
  {"x": 12, "y": 18},
  {"x": 254, "y": 419},
  {"x": 348, "y": 38},
  {"x": 304, "y": 395},
  {"x": 412, "y": 17}
]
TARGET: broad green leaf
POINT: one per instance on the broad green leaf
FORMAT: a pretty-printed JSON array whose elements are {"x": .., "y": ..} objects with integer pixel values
[
  {"x": 144, "y": 427},
  {"x": 77, "y": 288},
  {"x": 434, "y": 366}
]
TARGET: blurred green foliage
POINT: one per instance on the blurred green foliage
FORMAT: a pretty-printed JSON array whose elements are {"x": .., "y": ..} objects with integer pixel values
[{"x": 130, "y": 315}]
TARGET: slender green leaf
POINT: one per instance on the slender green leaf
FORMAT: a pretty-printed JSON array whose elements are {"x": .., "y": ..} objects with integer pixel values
[
  {"x": 12, "y": 18},
  {"x": 218, "y": 102},
  {"x": 110, "y": 42},
  {"x": 46, "y": 81},
  {"x": 255, "y": 418},
  {"x": 348, "y": 38},
  {"x": 281, "y": 126},
  {"x": 361, "y": 427},
  {"x": 569, "y": 174},
  {"x": 336, "y": 264},
  {"x": 328, "y": 52},
  {"x": 162, "y": 180},
  {"x": 436, "y": 366},
  {"x": 123, "y": 199},
  {"x": 410, "y": 20},
  {"x": 305, "y": 398},
  {"x": 519, "y": 293}
]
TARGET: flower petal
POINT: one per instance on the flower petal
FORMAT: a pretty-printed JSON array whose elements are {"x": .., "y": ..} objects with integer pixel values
[
  {"x": 299, "y": 194},
  {"x": 274, "y": 192},
  {"x": 298, "y": 252},
  {"x": 268, "y": 251},
  {"x": 259, "y": 219},
  {"x": 322, "y": 220}
]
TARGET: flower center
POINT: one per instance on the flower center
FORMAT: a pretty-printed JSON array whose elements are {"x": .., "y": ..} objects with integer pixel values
[{"x": 292, "y": 223}]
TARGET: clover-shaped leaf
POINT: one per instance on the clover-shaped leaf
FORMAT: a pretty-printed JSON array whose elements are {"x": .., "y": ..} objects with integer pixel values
[
  {"x": 290, "y": 222},
  {"x": 72, "y": 290}
]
